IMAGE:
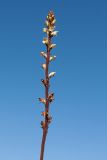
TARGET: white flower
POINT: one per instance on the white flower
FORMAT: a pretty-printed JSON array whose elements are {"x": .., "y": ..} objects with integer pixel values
[
  {"x": 54, "y": 33},
  {"x": 44, "y": 66},
  {"x": 52, "y": 58},
  {"x": 52, "y": 46},
  {"x": 43, "y": 54},
  {"x": 52, "y": 74}
]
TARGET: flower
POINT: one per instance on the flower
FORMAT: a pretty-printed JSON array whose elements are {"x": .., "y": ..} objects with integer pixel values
[
  {"x": 54, "y": 33},
  {"x": 42, "y": 100},
  {"x": 51, "y": 97},
  {"x": 51, "y": 74},
  {"x": 52, "y": 58},
  {"x": 42, "y": 124},
  {"x": 47, "y": 23},
  {"x": 43, "y": 54},
  {"x": 44, "y": 66},
  {"x": 44, "y": 29},
  {"x": 45, "y": 41},
  {"x": 53, "y": 22},
  {"x": 44, "y": 82},
  {"x": 49, "y": 119},
  {"x": 52, "y": 46},
  {"x": 44, "y": 113}
]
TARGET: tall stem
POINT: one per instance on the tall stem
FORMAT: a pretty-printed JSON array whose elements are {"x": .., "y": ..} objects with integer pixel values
[
  {"x": 43, "y": 144},
  {"x": 45, "y": 130}
]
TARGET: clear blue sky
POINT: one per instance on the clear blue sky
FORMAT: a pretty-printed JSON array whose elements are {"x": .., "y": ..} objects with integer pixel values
[{"x": 79, "y": 127}]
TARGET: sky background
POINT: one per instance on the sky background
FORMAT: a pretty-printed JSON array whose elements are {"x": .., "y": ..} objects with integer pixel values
[{"x": 79, "y": 127}]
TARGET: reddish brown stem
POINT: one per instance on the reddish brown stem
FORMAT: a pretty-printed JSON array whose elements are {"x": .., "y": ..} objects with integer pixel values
[{"x": 45, "y": 130}]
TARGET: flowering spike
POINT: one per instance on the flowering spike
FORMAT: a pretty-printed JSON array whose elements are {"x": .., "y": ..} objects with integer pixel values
[{"x": 50, "y": 31}]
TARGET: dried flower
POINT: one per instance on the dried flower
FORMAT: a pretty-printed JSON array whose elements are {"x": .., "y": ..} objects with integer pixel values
[
  {"x": 42, "y": 100},
  {"x": 44, "y": 113},
  {"x": 51, "y": 97},
  {"x": 49, "y": 119},
  {"x": 44, "y": 82},
  {"x": 43, "y": 124}
]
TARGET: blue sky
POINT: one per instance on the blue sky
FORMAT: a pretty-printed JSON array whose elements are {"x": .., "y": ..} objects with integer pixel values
[{"x": 79, "y": 127}]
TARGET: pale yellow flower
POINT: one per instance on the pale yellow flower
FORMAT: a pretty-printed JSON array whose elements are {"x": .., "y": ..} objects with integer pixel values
[
  {"x": 45, "y": 41},
  {"x": 44, "y": 66},
  {"x": 52, "y": 46}
]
